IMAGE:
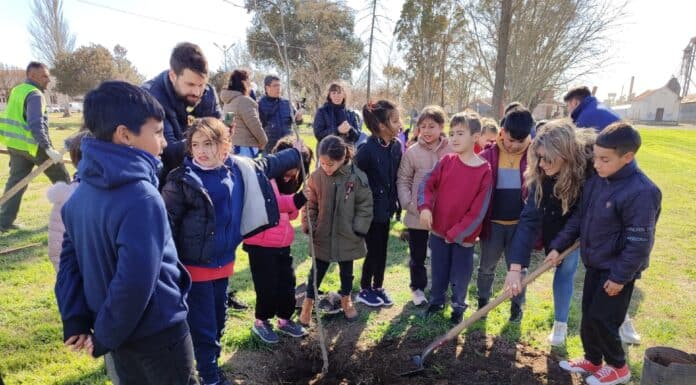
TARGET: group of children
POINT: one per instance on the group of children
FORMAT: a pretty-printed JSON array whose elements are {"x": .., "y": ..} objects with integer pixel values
[{"x": 150, "y": 301}]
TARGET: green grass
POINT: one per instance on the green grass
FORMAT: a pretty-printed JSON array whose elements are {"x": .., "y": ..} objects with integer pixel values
[{"x": 663, "y": 307}]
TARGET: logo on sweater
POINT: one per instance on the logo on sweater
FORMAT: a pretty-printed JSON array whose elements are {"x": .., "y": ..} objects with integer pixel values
[{"x": 608, "y": 205}]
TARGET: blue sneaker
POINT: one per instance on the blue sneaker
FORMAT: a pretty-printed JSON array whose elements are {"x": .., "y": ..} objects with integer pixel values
[
  {"x": 369, "y": 298},
  {"x": 382, "y": 294},
  {"x": 264, "y": 330},
  {"x": 290, "y": 328}
]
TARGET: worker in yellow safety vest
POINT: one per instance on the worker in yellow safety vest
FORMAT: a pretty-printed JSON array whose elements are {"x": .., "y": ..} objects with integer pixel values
[{"x": 24, "y": 131}]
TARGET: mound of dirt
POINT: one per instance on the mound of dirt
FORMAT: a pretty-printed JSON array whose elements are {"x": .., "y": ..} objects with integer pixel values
[{"x": 474, "y": 359}]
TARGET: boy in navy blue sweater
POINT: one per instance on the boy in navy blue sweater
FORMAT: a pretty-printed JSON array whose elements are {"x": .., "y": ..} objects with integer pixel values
[
  {"x": 616, "y": 224},
  {"x": 121, "y": 287}
]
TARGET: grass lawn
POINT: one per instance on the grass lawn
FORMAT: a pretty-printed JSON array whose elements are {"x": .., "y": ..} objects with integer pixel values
[{"x": 663, "y": 307}]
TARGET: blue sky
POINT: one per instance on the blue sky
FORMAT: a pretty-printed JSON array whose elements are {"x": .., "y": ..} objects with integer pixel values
[{"x": 648, "y": 46}]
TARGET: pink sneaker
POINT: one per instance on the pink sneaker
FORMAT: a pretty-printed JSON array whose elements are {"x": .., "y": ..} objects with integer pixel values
[
  {"x": 579, "y": 366},
  {"x": 610, "y": 375}
]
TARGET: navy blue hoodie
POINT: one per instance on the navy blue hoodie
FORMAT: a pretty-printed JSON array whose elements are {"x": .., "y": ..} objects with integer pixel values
[
  {"x": 615, "y": 221},
  {"x": 590, "y": 113},
  {"x": 119, "y": 276}
]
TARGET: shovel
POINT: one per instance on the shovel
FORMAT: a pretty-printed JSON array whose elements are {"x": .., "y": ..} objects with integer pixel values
[{"x": 419, "y": 360}]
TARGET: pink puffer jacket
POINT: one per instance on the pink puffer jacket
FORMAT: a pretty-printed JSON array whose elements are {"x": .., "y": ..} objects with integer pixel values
[
  {"x": 57, "y": 194},
  {"x": 283, "y": 234}
]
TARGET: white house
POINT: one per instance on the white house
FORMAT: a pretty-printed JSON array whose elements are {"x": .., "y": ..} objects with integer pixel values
[{"x": 660, "y": 105}]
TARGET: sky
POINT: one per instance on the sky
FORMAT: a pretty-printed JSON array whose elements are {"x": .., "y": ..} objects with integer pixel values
[{"x": 648, "y": 45}]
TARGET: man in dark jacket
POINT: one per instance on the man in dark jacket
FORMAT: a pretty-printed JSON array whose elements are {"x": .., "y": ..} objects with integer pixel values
[
  {"x": 586, "y": 111},
  {"x": 184, "y": 93},
  {"x": 276, "y": 113},
  {"x": 616, "y": 222},
  {"x": 120, "y": 287}
]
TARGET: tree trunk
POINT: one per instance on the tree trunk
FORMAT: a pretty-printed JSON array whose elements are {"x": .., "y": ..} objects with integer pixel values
[
  {"x": 501, "y": 60},
  {"x": 369, "y": 54}
]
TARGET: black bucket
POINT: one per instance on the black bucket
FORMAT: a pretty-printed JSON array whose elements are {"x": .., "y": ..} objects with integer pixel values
[{"x": 667, "y": 366}]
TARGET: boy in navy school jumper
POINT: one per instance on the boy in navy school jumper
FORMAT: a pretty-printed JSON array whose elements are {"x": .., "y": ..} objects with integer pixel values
[
  {"x": 616, "y": 224},
  {"x": 508, "y": 159},
  {"x": 120, "y": 287}
]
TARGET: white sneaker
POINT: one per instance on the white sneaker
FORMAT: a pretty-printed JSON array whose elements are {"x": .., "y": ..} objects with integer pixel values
[
  {"x": 418, "y": 297},
  {"x": 559, "y": 333},
  {"x": 628, "y": 332}
]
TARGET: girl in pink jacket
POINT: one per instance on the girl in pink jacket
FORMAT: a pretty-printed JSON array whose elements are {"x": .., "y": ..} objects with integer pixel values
[{"x": 270, "y": 261}]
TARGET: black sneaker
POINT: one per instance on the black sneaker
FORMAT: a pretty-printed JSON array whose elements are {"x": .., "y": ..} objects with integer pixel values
[
  {"x": 10, "y": 227},
  {"x": 457, "y": 315},
  {"x": 330, "y": 303},
  {"x": 234, "y": 303},
  {"x": 515, "y": 312},
  {"x": 432, "y": 309}
]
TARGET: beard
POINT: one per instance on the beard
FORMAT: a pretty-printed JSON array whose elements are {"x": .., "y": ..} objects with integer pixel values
[
  {"x": 289, "y": 187},
  {"x": 190, "y": 100}
]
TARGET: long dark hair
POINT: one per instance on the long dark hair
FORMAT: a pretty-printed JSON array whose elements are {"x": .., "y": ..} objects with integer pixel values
[{"x": 378, "y": 112}]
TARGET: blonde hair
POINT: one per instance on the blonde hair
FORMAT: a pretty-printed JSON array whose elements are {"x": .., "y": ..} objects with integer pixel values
[{"x": 560, "y": 139}]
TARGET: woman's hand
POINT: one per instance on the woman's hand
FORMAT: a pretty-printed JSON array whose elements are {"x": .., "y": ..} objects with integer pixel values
[{"x": 344, "y": 127}]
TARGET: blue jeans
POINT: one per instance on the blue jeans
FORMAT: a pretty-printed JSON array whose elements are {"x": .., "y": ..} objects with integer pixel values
[
  {"x": 452, "y": 264},
  {"x": 563, "y": 283},
  {"x": 207, "y": 303}
]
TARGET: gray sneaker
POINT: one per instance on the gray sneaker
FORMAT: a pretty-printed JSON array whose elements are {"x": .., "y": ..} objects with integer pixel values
[
  {"x": 291, "y": 328},
  {"x": 264, "y": 330}
]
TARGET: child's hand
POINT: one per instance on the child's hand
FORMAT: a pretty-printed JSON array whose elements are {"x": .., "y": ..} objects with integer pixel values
[
  {"x": 513, "y": 282},
  {"x": 426, "y": 219},
  {"x": 89, "y": 345},
  {"x": 553, "y": 257},
  {"x": 77, "y": 342},
  {"x": 612, "y": 288}
]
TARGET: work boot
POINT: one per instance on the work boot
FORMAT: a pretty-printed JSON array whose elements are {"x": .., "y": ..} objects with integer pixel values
[
  {"x": 348, "y": 309},
  {"x": 306, "y": 314}
]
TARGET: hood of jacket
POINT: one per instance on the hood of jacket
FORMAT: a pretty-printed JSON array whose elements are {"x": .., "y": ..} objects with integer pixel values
[
  {"x": 227, "y": 95},
  {"x": 107, "y": 165}
]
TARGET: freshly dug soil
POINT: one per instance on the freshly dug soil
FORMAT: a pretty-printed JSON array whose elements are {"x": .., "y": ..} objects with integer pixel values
[{"x": 474, "y": 359}]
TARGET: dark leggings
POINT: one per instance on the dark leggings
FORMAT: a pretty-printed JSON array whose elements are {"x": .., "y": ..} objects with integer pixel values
[
  {"x": 345, "y": 269},
  {"x": 376, "y": 258}
]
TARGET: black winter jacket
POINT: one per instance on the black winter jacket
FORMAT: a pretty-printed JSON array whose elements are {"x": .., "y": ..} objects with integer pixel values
[
  {"x": 381, "y": 164},
  {"x": 259, "y": 208}
]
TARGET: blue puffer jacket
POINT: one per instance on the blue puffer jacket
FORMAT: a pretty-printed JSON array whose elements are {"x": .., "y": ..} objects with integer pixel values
[
  {"x": 616, "y": 222},
  {"x": 325, "y": 123},
  {"x": 119, "y": 272},
  {"x": 590, "y": 113},
  {"x": 176, "y": 116},
  {"x": 276, "y": 116},
  {"x": 186, "y": 200}
]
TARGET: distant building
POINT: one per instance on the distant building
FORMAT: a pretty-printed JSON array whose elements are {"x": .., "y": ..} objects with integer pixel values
[
  {"x": 657, "y": 106},
  {"x": 687, "y": 109},
  {"x": 482, "y": 107}
]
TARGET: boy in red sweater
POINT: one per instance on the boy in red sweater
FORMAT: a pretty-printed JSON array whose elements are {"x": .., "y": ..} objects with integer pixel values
[{"x": 453, "y": 200}]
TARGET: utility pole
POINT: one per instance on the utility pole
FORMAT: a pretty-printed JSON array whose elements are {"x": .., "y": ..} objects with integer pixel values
[
  {"x": 225, "y": 49},
  {"x": 688, "y": 66}
]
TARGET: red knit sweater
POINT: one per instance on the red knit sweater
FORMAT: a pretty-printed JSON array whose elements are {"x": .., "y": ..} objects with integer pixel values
[{"x": 458, "y": 196}]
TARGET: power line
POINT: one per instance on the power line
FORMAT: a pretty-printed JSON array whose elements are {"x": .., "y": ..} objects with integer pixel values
[{"x": 160, "y": 20}]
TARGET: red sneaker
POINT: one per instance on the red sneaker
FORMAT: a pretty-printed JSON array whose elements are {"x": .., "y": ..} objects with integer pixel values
[
  {"x": 610, "y": 375},
  {"x": 579, "y": 366}
]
